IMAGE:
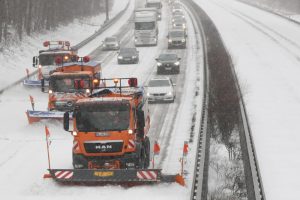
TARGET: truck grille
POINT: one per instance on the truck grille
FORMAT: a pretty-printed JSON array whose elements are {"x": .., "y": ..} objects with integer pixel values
[
  {"x": 159, "y": 94},
  {"x": 108, "y": 147}
]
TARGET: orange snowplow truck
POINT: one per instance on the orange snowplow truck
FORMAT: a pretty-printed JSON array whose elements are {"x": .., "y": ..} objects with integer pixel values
[
  {"x": 110, "y": 129},
  {"x": 110, "y": 143},
  {"x": 72, "y": 81}
]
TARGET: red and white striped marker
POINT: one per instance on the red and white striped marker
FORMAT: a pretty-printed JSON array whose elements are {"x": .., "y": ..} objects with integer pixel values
[
  {"x": 75, "y": 145},
  {"x": 64, "y": 174},
  {"x": 131, "y": 144},
  {"x": 148, "y": 175}
]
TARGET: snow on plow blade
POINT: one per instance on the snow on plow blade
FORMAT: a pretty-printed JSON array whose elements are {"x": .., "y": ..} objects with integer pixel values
[
  {"x": 115, "y": 176},
  {"x": 35, "y": 116},
  {"x": 35, "y": 83}
]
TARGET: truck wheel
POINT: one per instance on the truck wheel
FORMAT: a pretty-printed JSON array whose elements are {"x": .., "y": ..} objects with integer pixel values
[
  {"x": 79, "y": 161},
  {"x": 147, "y": 152}
]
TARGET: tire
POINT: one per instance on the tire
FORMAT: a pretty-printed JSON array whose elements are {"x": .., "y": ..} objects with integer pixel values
[
  {"x": 147, "y": 152},
  {"x": 79, "y": 159}
]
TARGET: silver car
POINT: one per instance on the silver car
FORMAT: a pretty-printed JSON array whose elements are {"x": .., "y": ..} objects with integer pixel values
[
  {"x": 111, "y": 43},
  {"x": 161, "y": 90}
]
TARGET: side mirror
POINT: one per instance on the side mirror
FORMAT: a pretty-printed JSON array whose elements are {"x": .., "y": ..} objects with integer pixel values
[
  {"x": 34, "y": 61},
  {"x": 66, "y": 121},
  {"x": 179, "y": 58},
  {"x": 141, "y": 119},
  {"x": 156, "y": 59},
  {"x": 168, "y": 36}
]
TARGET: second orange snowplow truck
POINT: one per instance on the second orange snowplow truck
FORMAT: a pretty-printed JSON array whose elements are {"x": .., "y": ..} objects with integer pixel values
[
  {"x": 110, "y": 138},
  {"x": 72, "y": 81}
]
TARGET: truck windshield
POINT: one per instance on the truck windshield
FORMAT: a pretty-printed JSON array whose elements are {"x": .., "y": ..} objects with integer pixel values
[
  {"x": 176, "y": 34},
  {"x": 103, "y": 117},
  {"x": 154, "y": 5},
  {"x": 144, "y": 25},
  {"x": 69, "y": 84},
  {"x": 49, "y": 59}
]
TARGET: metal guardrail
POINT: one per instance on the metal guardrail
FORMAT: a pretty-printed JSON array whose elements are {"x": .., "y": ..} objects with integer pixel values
[
  {"x": 269, "y": 11},
  {"x": 199, "y": 189},
  {"x": 104, "y": 27}
]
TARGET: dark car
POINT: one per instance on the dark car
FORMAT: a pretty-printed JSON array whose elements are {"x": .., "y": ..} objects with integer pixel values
[
  {"x": 176, "y": 39},
  {"x": 128, "y": 56},
  {"x": 168, "y": 62}
]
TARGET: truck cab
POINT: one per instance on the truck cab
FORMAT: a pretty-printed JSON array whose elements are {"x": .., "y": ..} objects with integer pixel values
[
  {"x": 155, "y": 4},
  {"x": 70, "y": 82},
  {"x": 145, "y": 28},
  {"x": 45, "y": 61},
  {"x": 110, "y": 128}
]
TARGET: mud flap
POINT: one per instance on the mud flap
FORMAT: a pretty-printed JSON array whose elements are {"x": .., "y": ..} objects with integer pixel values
[
  {"x": 35, "y": 116},
  {"x": 113, "y": 176}
]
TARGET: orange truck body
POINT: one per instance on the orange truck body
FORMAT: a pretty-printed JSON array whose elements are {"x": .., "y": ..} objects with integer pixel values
[
  {"x": 66, "y": 76},
  {"x": 127, "y": 147}
]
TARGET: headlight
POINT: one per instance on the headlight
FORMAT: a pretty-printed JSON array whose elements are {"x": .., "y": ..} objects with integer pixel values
[
  {"x": 148, "y": 94},
  {"x": 104, "y": 45},
  {"x": 130, "y": 131},
  {"x": 50, "y": 91},
  {"x": 60, "y": 103},
  {"x": 120, "y": 57},
  {"x": 87, "y": 91},
  {"x": 170, "y": 40},
  {"x": 133, "y": 57},
  {"x": 177, "y": 63},
  {"x": 74, "y": 133},
  {"x": 170, "y": 93},
  {"x": 159, "y": 64},
  {"x": 174, "y": 25},
  {"x": 183, "y": 25},
  {"x": 183, "y": 40}
]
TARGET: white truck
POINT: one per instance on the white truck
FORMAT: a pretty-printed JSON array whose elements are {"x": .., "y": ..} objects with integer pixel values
[
  {"x": 155, "y": 4},
  {"x": 145, "y": 28}
]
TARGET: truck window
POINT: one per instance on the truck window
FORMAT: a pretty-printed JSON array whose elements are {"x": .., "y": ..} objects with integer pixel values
[
  {"x": 103, "y": 117},
  {"x": 66, "y": 84},
  {"x": 144, "y": 25}
]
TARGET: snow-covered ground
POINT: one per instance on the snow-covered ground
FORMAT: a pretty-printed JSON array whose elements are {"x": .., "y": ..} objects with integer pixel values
[
  {"x": 16, "y": 58},
  {"x": 266, "y": 53},
  {"x": 23, "y": 160}
]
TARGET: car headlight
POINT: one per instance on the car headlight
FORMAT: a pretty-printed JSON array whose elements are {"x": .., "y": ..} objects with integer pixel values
[
  {"x": 120, "y": 57},
  {"x": 133, "y": 57},
  {"x": 174, "y": 25},
  {"x": 148, "y": 94},
  {"x": 183, "y": 40},
  {"x": 159, "y": 64},
  {"x": 170, "y": 93},
  {"x": 170, "y": 40},
  {"x": 177, "y": 63},
  {"x": 104, "y": 45},
  {"x": 183, "y": 25}
]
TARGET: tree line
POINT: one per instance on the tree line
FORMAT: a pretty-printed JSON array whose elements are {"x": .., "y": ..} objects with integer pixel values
[{"x": 19, "y": 17}]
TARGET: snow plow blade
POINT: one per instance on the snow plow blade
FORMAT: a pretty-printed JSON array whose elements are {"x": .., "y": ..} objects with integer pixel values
[
  {"x": 34, "y": 83},
  {"x": 35, "y": 116},
  {"x": 112, "y": 176}
]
